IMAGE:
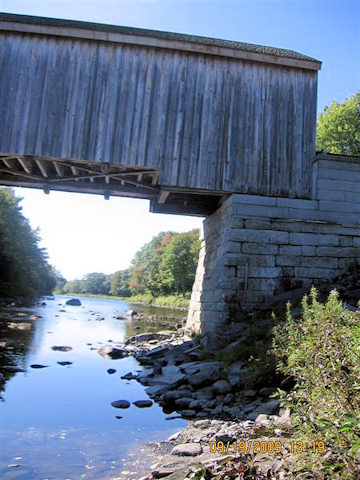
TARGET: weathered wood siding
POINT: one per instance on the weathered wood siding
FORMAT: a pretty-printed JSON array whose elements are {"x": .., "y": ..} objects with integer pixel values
[{"x": 207, "y": 122}]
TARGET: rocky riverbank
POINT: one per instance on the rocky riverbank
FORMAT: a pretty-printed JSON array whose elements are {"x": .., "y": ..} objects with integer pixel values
[{"x": 213, "y": 397}]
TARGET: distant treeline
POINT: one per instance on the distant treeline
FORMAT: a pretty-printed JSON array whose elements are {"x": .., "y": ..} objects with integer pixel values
[
  {"x": 164, "y": 266},
  {"x": 24, "y": 270}
]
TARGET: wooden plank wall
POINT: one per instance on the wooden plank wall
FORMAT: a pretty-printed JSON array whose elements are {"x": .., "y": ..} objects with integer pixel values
[{"x": 207, "y": 122}]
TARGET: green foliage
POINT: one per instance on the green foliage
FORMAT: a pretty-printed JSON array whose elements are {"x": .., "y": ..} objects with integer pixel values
[
  {"x": 24, "y": 270},
  {"x": 120, "y": 283},
  {"x": 145, "y": 270},
  {"x": 338, "y": 128},
  {"x": 179, "y": 261},
  {"x": 161, "y": 270},
  {"x": 322, "y": 353},
  {"x": 166, "y": 264},
  {"x": 173, "y": 301}
]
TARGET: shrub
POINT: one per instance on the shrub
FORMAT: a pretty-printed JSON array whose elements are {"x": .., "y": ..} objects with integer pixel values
[{"x": 321, "y": 351}]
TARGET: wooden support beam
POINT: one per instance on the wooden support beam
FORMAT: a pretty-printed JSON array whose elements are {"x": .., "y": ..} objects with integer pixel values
[
  {"x": 43, "y": 167},
  {"x": 162, "y": 197},
  {"x": 154, "y": 179},
  {"x": 59, "y": 169},
  {"x": 10, "y": 162},
  {"x": 26, "y": 164}
]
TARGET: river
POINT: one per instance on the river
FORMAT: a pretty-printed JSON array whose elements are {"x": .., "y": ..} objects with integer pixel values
[{"x": 57, "y": 423}]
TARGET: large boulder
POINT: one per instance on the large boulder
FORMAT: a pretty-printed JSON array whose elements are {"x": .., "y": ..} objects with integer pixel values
[
  {"x": 187, "y": 450},
  {"x": 74, "y": 302}
]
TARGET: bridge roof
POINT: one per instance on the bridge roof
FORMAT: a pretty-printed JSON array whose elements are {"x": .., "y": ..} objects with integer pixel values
[{"x": 154, "y": 38}]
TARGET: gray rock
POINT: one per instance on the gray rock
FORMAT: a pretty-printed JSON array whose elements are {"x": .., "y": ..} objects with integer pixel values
[
  {"x": 131, "y": 313},
  {"x": 266, "y": 391},
  {"x": 217, "y": 410},
  {"x": 143, "y": 403},
  {"x": 202, "y": 423},
  {"x": 65, "y": 363},
  {"x": 187, "y": 450},
  {"x": 111, "y": 371},
  {"x": 234, "y": 380},
  {"x": 120, "y": 404},
  {"x": 183, "y": 402},
  {"x": 157, "y": 352},
  {"x": 267, "y": 408},
  {"x": 170, "y": 396},
  {"x": 263, "y": 420},
  {"x": 64, "y": 348},
  {"x": 221, "y": 386},
  {"x": 156, "y": 390},
  {"x": 236, "y": 368},
  {"x": 148, "y": 372},
  {"x": 229, "y": 397},
  {"x": 112, "y": 353},
  {"x": 191, "y": 367},
  {"x": 249, "y": 393},
  {"x": 194, "y": 405},
  {"x": 189, "y": 413},
  {"x": 162, "y": 471},
  {"x": 36, "y": 365},
  {"x": 74, "y": 302},
  {"x": 208, "y": 374},
  {"x": 129, "y": 376},
  {"x": 205, "y": 393}
]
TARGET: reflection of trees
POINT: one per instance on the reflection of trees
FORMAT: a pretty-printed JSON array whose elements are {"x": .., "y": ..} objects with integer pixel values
[
  {"x": 16, "y": 337},
  {"x": 149, "y": 323}
]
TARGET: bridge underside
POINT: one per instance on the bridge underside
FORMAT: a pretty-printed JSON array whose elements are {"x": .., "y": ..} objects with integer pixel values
[{"x": 104, "y": 179}]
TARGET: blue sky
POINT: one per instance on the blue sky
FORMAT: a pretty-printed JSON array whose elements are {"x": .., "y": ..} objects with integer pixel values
[{"x": 84, "y": 233}]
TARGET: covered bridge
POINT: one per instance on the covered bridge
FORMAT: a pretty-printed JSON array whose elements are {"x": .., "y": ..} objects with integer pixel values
[
  {"x": 179, "y": 119},
  {"x": 198, "y": 126}
]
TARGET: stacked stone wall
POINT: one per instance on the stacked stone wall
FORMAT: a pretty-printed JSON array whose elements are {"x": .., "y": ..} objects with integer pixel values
[{"x": 254, "y": 248}]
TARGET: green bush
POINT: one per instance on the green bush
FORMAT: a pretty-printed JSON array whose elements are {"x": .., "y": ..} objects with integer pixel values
[{"x": 321, "y": 351}]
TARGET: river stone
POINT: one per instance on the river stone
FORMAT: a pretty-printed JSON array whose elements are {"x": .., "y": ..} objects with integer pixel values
[
  {"x": 187, "y": 450},
  {"x": 183, "y": 402},
  {"x": 129, "y": 376},
  {"x": 65, "y": 363},
  {"x": 112, "y": 353},
  {"x": 221, "y": 386},
  {"x": 157, "y": 352},
  {"x": 73, "y": 301},
  {"x": 111, "y": 371},
  {"x": 36, "y": 365},
  {"x": 62, "y": 348},
  {"x": 120, "y": 404},
  {"x": 268, "y": 408},
  {"x": 188, "y": 413},
  {"x": 266, "y": 391},
  {"x": 143, "y": 403},
  {"x": 209, "y": 373}
]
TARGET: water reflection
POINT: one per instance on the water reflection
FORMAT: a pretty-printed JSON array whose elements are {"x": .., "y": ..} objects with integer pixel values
[{"x": 58, "y": 422}]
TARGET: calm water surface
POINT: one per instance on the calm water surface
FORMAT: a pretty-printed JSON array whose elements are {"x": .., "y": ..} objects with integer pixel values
[{"x": 57, "y": 423}]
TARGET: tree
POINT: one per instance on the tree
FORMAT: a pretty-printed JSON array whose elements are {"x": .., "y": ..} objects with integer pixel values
[
  {"x": 24, "y": 270},
  {"x": 145, "y": 274},
  {"x": 95, "y": 283},
  {"x": 179, "y": 261},
  {"x": 120, "y": 283},
  {"x": 338, "y": 128}
]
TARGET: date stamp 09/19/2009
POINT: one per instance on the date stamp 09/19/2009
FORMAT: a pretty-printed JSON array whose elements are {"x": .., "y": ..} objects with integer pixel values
[{"x": 267, "y": 446}]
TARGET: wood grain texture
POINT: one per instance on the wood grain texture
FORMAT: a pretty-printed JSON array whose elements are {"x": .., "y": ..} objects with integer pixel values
[{"x": 205, "y": 121}]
